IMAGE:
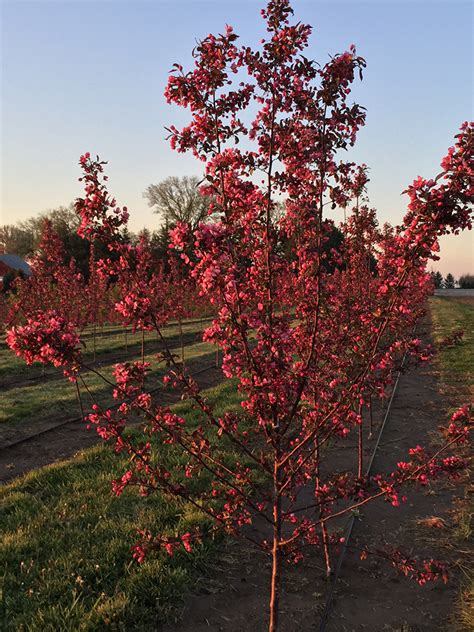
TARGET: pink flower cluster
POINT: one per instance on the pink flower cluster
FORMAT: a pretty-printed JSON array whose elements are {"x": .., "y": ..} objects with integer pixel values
[
  {"x": 101, "y": 218},
  {"x": 48, "y": 338},
  {"x": 130, "y": 377}
]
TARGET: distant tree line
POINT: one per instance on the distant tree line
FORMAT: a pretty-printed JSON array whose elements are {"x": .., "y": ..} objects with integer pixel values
[
  {"x": 23, "y": 238},
  {"x": 466, "y": 281},
  {"x": 174, "y": 199}
]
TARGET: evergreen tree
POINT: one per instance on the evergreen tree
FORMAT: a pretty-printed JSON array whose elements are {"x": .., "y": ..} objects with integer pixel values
[
  {"x": 449, "y": 282},
  {"x": 437, "y": 279}
]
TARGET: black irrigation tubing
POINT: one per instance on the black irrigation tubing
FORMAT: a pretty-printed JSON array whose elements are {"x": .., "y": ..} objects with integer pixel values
[
  {"x": 78, "y": 419},
  {"x": 350, "y": 526}
]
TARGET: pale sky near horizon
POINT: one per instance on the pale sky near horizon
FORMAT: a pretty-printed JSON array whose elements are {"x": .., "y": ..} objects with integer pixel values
[{"x": 89, "y": 76}]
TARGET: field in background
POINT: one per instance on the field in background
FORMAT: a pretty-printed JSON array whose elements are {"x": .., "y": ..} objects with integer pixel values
[
  {"x": 29, "y": 396},
  {"x": 455, "y": 364}
]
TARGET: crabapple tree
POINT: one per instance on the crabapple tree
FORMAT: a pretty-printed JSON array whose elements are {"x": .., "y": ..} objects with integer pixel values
[{"x": 310, "y": 333}]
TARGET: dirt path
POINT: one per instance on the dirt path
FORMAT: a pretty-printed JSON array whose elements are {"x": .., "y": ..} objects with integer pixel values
[
  {"x": 390, "y": 601},
  {"x": 56, "y": 443},
  {"x": 370, "y": 596}
]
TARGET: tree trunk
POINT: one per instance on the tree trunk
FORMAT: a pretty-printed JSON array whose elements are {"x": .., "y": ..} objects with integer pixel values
[
  {"x": 276, "y": 552},
  {"x": 181, "y": 340},
  {"x": 324, "y": 531},
  {"x": 371, "y": 419}
]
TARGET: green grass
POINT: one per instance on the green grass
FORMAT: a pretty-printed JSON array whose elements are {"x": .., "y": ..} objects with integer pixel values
[
  {"x": 65, "y": 548},
  {"x": 11, "y": 366},
  {"x": 456, "y": 367},
  {"x": 39, "y": 401},
  {"x": 455, "y": 362}
]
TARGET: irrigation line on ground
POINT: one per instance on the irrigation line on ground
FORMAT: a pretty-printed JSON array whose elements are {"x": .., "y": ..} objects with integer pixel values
[
  {"x": 77, "y": 419},
  {"x": 350, "y": 526}
]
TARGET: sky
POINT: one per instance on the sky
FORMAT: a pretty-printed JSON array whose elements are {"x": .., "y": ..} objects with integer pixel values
[{"x": 83, "y": 75}]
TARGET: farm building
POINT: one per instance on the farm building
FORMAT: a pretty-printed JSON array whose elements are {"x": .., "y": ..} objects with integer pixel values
[{"x": 12, "y": 264}]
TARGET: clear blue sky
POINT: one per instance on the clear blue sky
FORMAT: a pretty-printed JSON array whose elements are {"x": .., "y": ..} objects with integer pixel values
[{"x": 89, "y": 76}]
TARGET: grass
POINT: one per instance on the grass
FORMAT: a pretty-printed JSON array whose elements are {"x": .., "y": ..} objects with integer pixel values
[
  {"x": 455, "y": 362},
  {"x": 65, "y": 548},
  {"x": 40, "y": 401},
  {"x": 456, "y": 367},
  {"x": 11, "y": 366}
]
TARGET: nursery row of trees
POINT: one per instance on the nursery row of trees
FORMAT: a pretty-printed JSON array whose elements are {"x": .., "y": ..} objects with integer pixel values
[
  {"x": 312, "y": 334},
  {"x": 93, "y": 299}
]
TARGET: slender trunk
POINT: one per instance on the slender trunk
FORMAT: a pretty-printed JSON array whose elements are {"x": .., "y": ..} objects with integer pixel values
[
  {"x": 276, "y": 555},
  {"x": 79, "y": 400},
  {"x": 217, "y": 358},
  {"x": 327, "y": 558},
  {"x": 360, "y": 466},
  {"x": 126, "y": 339},
  {"x": 324, "y": 531},
  {"x": 181, "y": 340},
  {"x": 93, "y": 341},
  {"x": 371, "y": 418}
]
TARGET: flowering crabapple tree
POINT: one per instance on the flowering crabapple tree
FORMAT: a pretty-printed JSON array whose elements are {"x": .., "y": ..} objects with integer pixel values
[
  {"x": 55, "y": 287},
  {"x": 310, "y": 333},
  {"x": 184, "y": 299},
  {"x": 96, "y": 297},
  {"x": 53, "y": 282}
]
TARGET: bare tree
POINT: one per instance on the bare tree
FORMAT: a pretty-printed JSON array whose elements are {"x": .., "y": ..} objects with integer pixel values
[
  {"x": 179, "y": 200},
  {"x": 16, "y": 240}
]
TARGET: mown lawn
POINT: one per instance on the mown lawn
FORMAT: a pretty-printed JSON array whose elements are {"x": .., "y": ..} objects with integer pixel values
[
  {"x": 456, "y": 362},
  {"x": 65, "y": 545},
  {"x": 41, "y": 400},
  {"x": 456, "y": 373},
  {"x": 113, "y": 341}
]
